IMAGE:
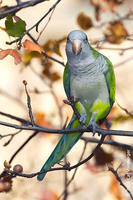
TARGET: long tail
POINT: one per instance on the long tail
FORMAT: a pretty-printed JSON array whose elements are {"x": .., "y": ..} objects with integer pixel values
[{"x": 62, "y": 148}]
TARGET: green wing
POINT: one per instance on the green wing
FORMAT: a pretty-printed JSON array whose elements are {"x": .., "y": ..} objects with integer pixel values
[
  {"x": 66, "y": 81},
  {"x": 110, "y": 80},
  {"x": 109, "y": 76}
]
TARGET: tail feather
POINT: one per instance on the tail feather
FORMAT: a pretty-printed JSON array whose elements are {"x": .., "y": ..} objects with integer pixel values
[{"x": 63, "y": 147}]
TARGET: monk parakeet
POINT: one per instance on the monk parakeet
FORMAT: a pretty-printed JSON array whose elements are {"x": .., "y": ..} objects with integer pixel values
[{"x": 89, "y": 77}]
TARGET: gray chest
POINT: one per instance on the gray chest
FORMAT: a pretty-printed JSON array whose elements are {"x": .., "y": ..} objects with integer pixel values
[{"x": 88, "y": 89}]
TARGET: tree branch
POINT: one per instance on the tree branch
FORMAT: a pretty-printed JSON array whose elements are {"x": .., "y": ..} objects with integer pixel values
[
  {"x": 119, "y": 180},
  {"x": 66, "y": 167},
  {"x": 66, "y": 131},
  {"x": 13, "y": 9},
  {"x": 21, "y": 147},
  {"x": 108, "y": 142}
]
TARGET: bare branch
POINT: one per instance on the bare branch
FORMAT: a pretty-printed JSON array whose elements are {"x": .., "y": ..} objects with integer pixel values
[
  {"x": 11, "y": 135},
  {"x": 16, "y": 99},
  {"x": 72, "y": 178},
  {"x": 125, "y": 110},
  {"x": 46, "y": 55},
  {"x": 108, "y": 142},
  {"x": 119, "y": 180},
  {"x": 66, "y": 131},
  {"x": 22, "y": 146},
  {"x": 29, "y": 104},
  {"x": 13, "y": 9},
  {"x": 66, "y": 167}
]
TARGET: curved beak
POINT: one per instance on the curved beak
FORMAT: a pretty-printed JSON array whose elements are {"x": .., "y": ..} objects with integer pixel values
[{"x": 76, "y": 47}]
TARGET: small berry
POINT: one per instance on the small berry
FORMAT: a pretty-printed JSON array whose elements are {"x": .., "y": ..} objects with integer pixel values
[
  {"x": 7, "y": 186},
  {"x": 18, "y": 168},
  {"x": 24, "y": 82},
  {"x": 2, "y": 186}
]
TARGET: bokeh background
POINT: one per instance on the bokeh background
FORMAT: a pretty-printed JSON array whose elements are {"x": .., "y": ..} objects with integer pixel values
[{"x": 91, "y": 181}]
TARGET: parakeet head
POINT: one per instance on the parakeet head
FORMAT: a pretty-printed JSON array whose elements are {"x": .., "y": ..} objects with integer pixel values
[{"x": 77, "y": 46}]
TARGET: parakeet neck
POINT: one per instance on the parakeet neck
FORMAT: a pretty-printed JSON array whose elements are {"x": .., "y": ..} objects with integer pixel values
[{"x": 87, "y": 66}]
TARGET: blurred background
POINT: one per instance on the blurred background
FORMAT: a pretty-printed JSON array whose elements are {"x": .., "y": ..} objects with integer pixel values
[{"x": 109, "y": 27}]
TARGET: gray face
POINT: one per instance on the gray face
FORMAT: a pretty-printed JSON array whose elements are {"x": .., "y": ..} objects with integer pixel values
[
  {"x": 77, "y": 46},
  {"x": 77, "y": 34}
]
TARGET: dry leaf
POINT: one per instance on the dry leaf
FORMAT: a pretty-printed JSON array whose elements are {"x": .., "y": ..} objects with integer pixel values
[
  {"x": 48, "y": 72},
  {"x": 40, "y": 120},
  {"x": 116, "y": 33},
  {"x": 31, "y": 46},
  {"x": 84, "y": 21},
  {"x": 105, "y": 5},
  {"x": 115, "y": 188},
  {"x": 2, "y": 28},
  {"x": 11, "y": 52},
  {"x": 52, "y": 46},
  {"x": 28, "y": 55},
  {"x": 102, "y": 157}
]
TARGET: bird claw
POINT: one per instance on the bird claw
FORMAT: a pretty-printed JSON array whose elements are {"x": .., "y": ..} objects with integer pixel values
[
  {"x": 83, "y": 118},
  {"x": 94, "y": 126}
]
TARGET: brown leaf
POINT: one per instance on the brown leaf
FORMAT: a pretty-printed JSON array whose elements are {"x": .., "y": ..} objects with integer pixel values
[
  {"x": 115, "y": 188},
  {"x": 48, "y": 72},
  {"x": 11, "y": 52},
  {"x": 28, "y": 55},
  {"x": 116, "y": 33},
  {"x": 2, "y": 28},
  {"x": 31, "y": 46},
  {"x": 55, "y": 76},
  {"x": 40, "y": 120},
  {"x": 105, "y": 5},
  {"x": 102, "y": 157},
  {"x": 52, "y": 46},
  {"x": 84, "y": 21}
]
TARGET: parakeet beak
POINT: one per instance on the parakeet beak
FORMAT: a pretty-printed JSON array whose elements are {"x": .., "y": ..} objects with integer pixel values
[{"x": 76, "y": 47}]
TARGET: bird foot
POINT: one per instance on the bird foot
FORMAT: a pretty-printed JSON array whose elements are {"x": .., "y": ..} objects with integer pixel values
[
  {"x": 94, "y": 126},
  {"x": 83, "y": 118}
]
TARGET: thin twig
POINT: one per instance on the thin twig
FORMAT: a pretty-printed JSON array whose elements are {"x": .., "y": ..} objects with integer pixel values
[
  {"x": 37, "y": 24},
  {"x": 46, "y": 55},
  {"x": 72, "y": 178},
  {"x": 11, "y": 135},
  {"x": 16, "y": 99},
  {"x": 22, "y": 146},
  {"x": 14, "y": 173},
  {"x": 23, "y": 121},
  {"x": 108, "y": 142},
  {"x": 123, "y": 62},
  {"x": 45, "y": 25},
  {"x": 125, "y": 110},
  {"x": 119, "y": 180},
  {"x": 51, "y": 91},
  {"x": 65, "y": 181},
  {"x": 29, "y": 104},
  {"x": 14, "y": 9},
  {"x": 66, "y": 131}
]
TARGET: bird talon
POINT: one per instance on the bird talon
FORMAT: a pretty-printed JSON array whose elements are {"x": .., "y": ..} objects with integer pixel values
[
  {"x": 94, "y": 126},
  {"x": 83, "y": 118}
]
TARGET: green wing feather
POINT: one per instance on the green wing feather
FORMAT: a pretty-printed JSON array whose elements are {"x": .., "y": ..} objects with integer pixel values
[
  {"x": 66, "y": 81},
  {"x": 110, "y": 80},
  {"x": 109, "y": 76}
]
